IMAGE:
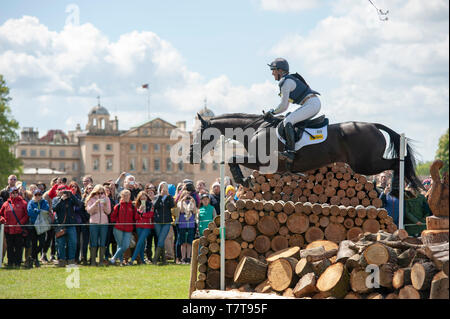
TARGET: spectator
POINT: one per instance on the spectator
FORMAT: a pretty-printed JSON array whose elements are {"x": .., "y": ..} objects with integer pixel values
[
  {"x": 14, "y": 213},
  {"x": 50, "y": 240},
  {"x": 171, "y": 239},
  {"x": 214, "y": 196},
  {"x": 230, "y": 192},
  {"x": 186, "y": 223},
  {"x": 152, "y": 239},
  {"x": 64, "y": 205},
  {"x": 144, "y": 223},
  {"x": 391, "y": 204},
  {"x": 42, "y": 187},
  {"x": 240, "y": 192},
  {"x": 163, "y": 218},
  {"x": 83, "y": 229},
  {"x": 110, "y": 241},
  {"x": 35, "y": 207},
  {"x": 124, "y": 213},
  {"x": 200, "y": 186},
  {"x": 99, "y": 207},
  {"x": 416, "y": 211},
  {"x": 87, "y": 180},
  {"x": 12, "y": 179},
  {"x": 206, "y": 214},
  {"x": 427, "y": 185}
]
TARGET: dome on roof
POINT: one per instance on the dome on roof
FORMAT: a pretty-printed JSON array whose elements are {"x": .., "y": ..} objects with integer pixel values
[
  {"x": 99, "y": 110},
  {"x": 205, "y": 112}
]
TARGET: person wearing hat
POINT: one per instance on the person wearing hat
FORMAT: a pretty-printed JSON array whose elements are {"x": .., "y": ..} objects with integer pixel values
[
  {"x": 35, "y": 206},
  {"x": 14, "y": 213},
  {"x": 230, "y": 191},
  {"x": 206, "y": 213},
  {"x": 293, "y": 89}
]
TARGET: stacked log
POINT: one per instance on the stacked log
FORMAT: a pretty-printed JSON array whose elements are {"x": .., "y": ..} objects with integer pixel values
[
  {"x": 334, "y": 184},
  {"x": 378, "y": 265}
]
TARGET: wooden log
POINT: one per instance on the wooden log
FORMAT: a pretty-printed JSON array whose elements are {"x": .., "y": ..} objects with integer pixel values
[
  {"x": 422, "y": 274},
  {"x": 377, "y": 202},
  {"x": 232, "y": 249},
  {"x": 234, "y": 294},
  {"x": 291, "y": 252},
  {"x": 401, "y": 278},
  {"x": 408, "y": 292},
  {"x": 359, "y": 221},
  {"x": 284, "y": 231},
  {"x": 251, "y": 217},
  {"x": 434, "y": 236},
  {"x": 320, "y": 266},
  {"x": 358, "y": 281},
  {"x": 354, "y": 201},
  {"x": 313, "y": 219},
  {"x": 405, "y": 258},
  {"x": 371, "y": 226},
  {"x": 437, "y": 223},
  {"x": 199, "y": 284},
  {"x": 382, "y": 213},
  {"x": 278, "y": 206},
  {"x": 379, "y": 254},
  {"x": 335, "y": 232},
  {"x": 297, "y": 223},
  {"x": 352, "y": 295},
  {"x": 391, "y": 295},
  {"x": 345, "y": 201},
  {"x": 306, "y": 286},
  {"x": 439, "y": 255},
  {"x": 313, "y": 234},
  {"x": 303, "y": 267},
  {"x": 202, "y": 259},
  {"x": 212, "y": 280},
  {"x": 248, "y": 233},
  {"x": 233, "y": 229},
  {"x": 263, "y": 287},
  {"x": 324, "y": 221},
  {"x": 214, "y": 261},
  {"x": 248, "y": 252},
  {"x": 375, "y": 295},
  {"x": 262, "y": 244},
  {"x": 353, "y": 233},
  {"x": 234, "y": 215},
  {"x": 386, "y": 274},
  {"x": 339, "y": 219},
  {"x": 353, "y": 263},
  {"x": 351, "y": 211},
  {"x": 439, "y": 286},
  {"x": 244, "y": 245},
  {"x": 334, "y": 280},
  {"x": 296, "y": 240},
  {"x": 250, "y": 271},
  {"x": 279, "y": 243},
  {"x": 348, "y": 223},
  {"x": 346, "y": 250},
  {"x": 281, "y": 274},
  {"x": 282, "y": 217},
  {"x": 268, "y": 225}
]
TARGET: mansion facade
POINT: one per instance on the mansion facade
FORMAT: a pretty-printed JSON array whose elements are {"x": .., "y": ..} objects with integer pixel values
[{"x": 104, "y": 151}]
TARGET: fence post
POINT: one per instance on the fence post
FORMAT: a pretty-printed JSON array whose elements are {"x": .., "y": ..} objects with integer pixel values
[
  {"x": 401, "y": 198},
  {"x": 222, "y": 212}
]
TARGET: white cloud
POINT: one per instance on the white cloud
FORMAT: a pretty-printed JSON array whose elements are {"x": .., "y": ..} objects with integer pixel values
[
  {"x": 288, "y": 5},
  {"x": 393, "y": 72}
]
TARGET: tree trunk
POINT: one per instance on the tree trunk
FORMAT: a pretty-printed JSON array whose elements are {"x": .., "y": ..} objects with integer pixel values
[
  {"x": 335, "y": 280},
  {"x": 422, "y": 274},
  {"x": 250, "y": 271},
  {"x": 379, "y": 254},
  {"x": 401, "y": 278}
]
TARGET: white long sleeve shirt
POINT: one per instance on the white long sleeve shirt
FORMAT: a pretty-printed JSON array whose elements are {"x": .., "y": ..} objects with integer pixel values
[{"x": 288, "y": 86}]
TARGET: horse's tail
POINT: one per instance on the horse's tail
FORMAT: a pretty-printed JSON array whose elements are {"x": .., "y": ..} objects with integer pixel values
[{"x": 410, "y": 159}]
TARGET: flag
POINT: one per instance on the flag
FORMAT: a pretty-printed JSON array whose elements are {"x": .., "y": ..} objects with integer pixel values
[{"x": 145, "y": 86}]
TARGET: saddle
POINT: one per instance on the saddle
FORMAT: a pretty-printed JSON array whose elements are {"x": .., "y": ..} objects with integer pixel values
[{"x": 300, "y": 127}]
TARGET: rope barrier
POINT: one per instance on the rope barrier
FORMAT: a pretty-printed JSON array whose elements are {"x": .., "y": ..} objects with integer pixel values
[{"x": 59, "y": 225}]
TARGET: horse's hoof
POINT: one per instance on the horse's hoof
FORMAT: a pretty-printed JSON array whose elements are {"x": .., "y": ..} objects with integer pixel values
[{"x": 248, "y": 183}]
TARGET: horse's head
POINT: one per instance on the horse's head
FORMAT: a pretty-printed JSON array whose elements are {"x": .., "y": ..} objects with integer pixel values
[{"x": 196, "y": 149}]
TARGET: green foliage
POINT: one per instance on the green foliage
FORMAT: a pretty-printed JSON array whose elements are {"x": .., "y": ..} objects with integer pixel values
[
  {"x": 423, "y": 169},
  {"x": 442, "y": 152},
  {"x": 8, "y": 136}
]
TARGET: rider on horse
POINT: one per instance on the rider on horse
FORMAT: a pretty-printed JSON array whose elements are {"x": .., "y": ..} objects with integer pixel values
[{"x": 294, "y": 89}]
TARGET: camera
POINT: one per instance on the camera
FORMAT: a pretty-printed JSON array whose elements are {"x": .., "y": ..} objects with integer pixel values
[{"x": 190, "y": 187}]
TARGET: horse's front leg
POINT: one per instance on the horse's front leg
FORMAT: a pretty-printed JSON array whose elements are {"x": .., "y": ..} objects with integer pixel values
[{"x": 237, "y": 172}]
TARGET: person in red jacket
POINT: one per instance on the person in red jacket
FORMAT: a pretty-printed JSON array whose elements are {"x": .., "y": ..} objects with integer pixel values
[
  {"x": 144, "y": 223},
  {"x": 14, "y": 235},
  {"x": 124, "y": 216}
]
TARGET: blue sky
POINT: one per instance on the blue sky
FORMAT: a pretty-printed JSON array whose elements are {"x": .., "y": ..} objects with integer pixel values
[{"x": 393, "y": 72}]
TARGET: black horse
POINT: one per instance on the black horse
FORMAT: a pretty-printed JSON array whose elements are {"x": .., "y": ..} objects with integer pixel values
[{"x": 361, "y": 145}]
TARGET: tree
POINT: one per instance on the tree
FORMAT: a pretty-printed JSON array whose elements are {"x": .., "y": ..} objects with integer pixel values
[
  {"x": 442, "y": 152},
  {"x": 9, "y": 164},
  {"x": 423, "y": 169}
]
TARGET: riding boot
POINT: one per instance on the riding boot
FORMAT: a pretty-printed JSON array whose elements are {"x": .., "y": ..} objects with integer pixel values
[
  {"x": 93, "y": 256},
  {"x": 289, "y": 152},
  {"x": 101, "y": 256}
]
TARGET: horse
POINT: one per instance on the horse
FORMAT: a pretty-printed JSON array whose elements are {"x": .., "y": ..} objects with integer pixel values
[{"x": 359, "y": 144}]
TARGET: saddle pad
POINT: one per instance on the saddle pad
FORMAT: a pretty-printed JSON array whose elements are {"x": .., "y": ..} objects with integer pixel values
[{"x": 319, "y": 135}]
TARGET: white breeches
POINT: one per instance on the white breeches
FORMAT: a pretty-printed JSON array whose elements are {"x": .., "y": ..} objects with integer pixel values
[{"x": 304, "y": 112}]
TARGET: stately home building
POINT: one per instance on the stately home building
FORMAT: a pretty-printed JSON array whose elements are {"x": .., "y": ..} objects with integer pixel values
[{"x": 104, "y": 151}]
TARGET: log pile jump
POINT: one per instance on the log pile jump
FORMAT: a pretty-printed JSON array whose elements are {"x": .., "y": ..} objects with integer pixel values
[{"x": 317, "y": 236}]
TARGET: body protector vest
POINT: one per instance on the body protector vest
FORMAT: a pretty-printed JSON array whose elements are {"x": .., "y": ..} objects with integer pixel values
[{"x": 302, "y": 89}]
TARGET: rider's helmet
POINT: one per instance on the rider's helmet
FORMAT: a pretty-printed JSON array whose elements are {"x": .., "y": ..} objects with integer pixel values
[{"x": 279, "y": 63}]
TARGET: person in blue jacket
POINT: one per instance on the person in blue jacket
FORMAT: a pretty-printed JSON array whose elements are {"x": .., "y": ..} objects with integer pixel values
[{"x": 35, "y": 206}]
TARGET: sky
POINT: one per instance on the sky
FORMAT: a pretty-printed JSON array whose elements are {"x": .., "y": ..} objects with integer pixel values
[{"x": 58, "y": 56}]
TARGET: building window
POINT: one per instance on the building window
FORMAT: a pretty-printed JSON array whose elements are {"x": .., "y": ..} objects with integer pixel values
[
  {"x": 132, "y": 164},
  {"x": 62, "y": 153},
  {"x": 109, "y": 164},
  {"x": 145, "y": 164},
  {"x": 168, "y": 164},
  {"x": 145, "y": 132},
  {"x": 156, "y": 148},
  {"x": 132, "y": 147},
  {"x": 95, "y": 147},
  {"x": 202, "y": 166},
  {"x": 96, "y": 164},
  {"x": 42, "y": 153},
  {"x": 144, "y": 147},
  {"x": 215, "y": 166},
  {"x": 33, "y": 153},
  {"x": 75, "y": 153},
  {"x": 74, "y": 166},
  {"x": 180, "y": 166},
  {"x": 157, "y": 165},
  {"x": 23, "y": 152},
  {"x": 62, "y": 167},
  {"x": 168, "y": 147},
  {"x": 109, "y": 147}
]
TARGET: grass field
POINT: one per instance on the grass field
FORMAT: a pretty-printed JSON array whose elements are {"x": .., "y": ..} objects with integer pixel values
[{"x": 132, "y": 282}]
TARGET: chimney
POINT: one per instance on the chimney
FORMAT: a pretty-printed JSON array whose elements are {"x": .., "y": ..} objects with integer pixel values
[{"x": 181, "y": 125}]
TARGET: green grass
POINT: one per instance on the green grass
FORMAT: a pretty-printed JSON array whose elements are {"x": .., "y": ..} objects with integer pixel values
[{"x": 132, "y": 282}]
